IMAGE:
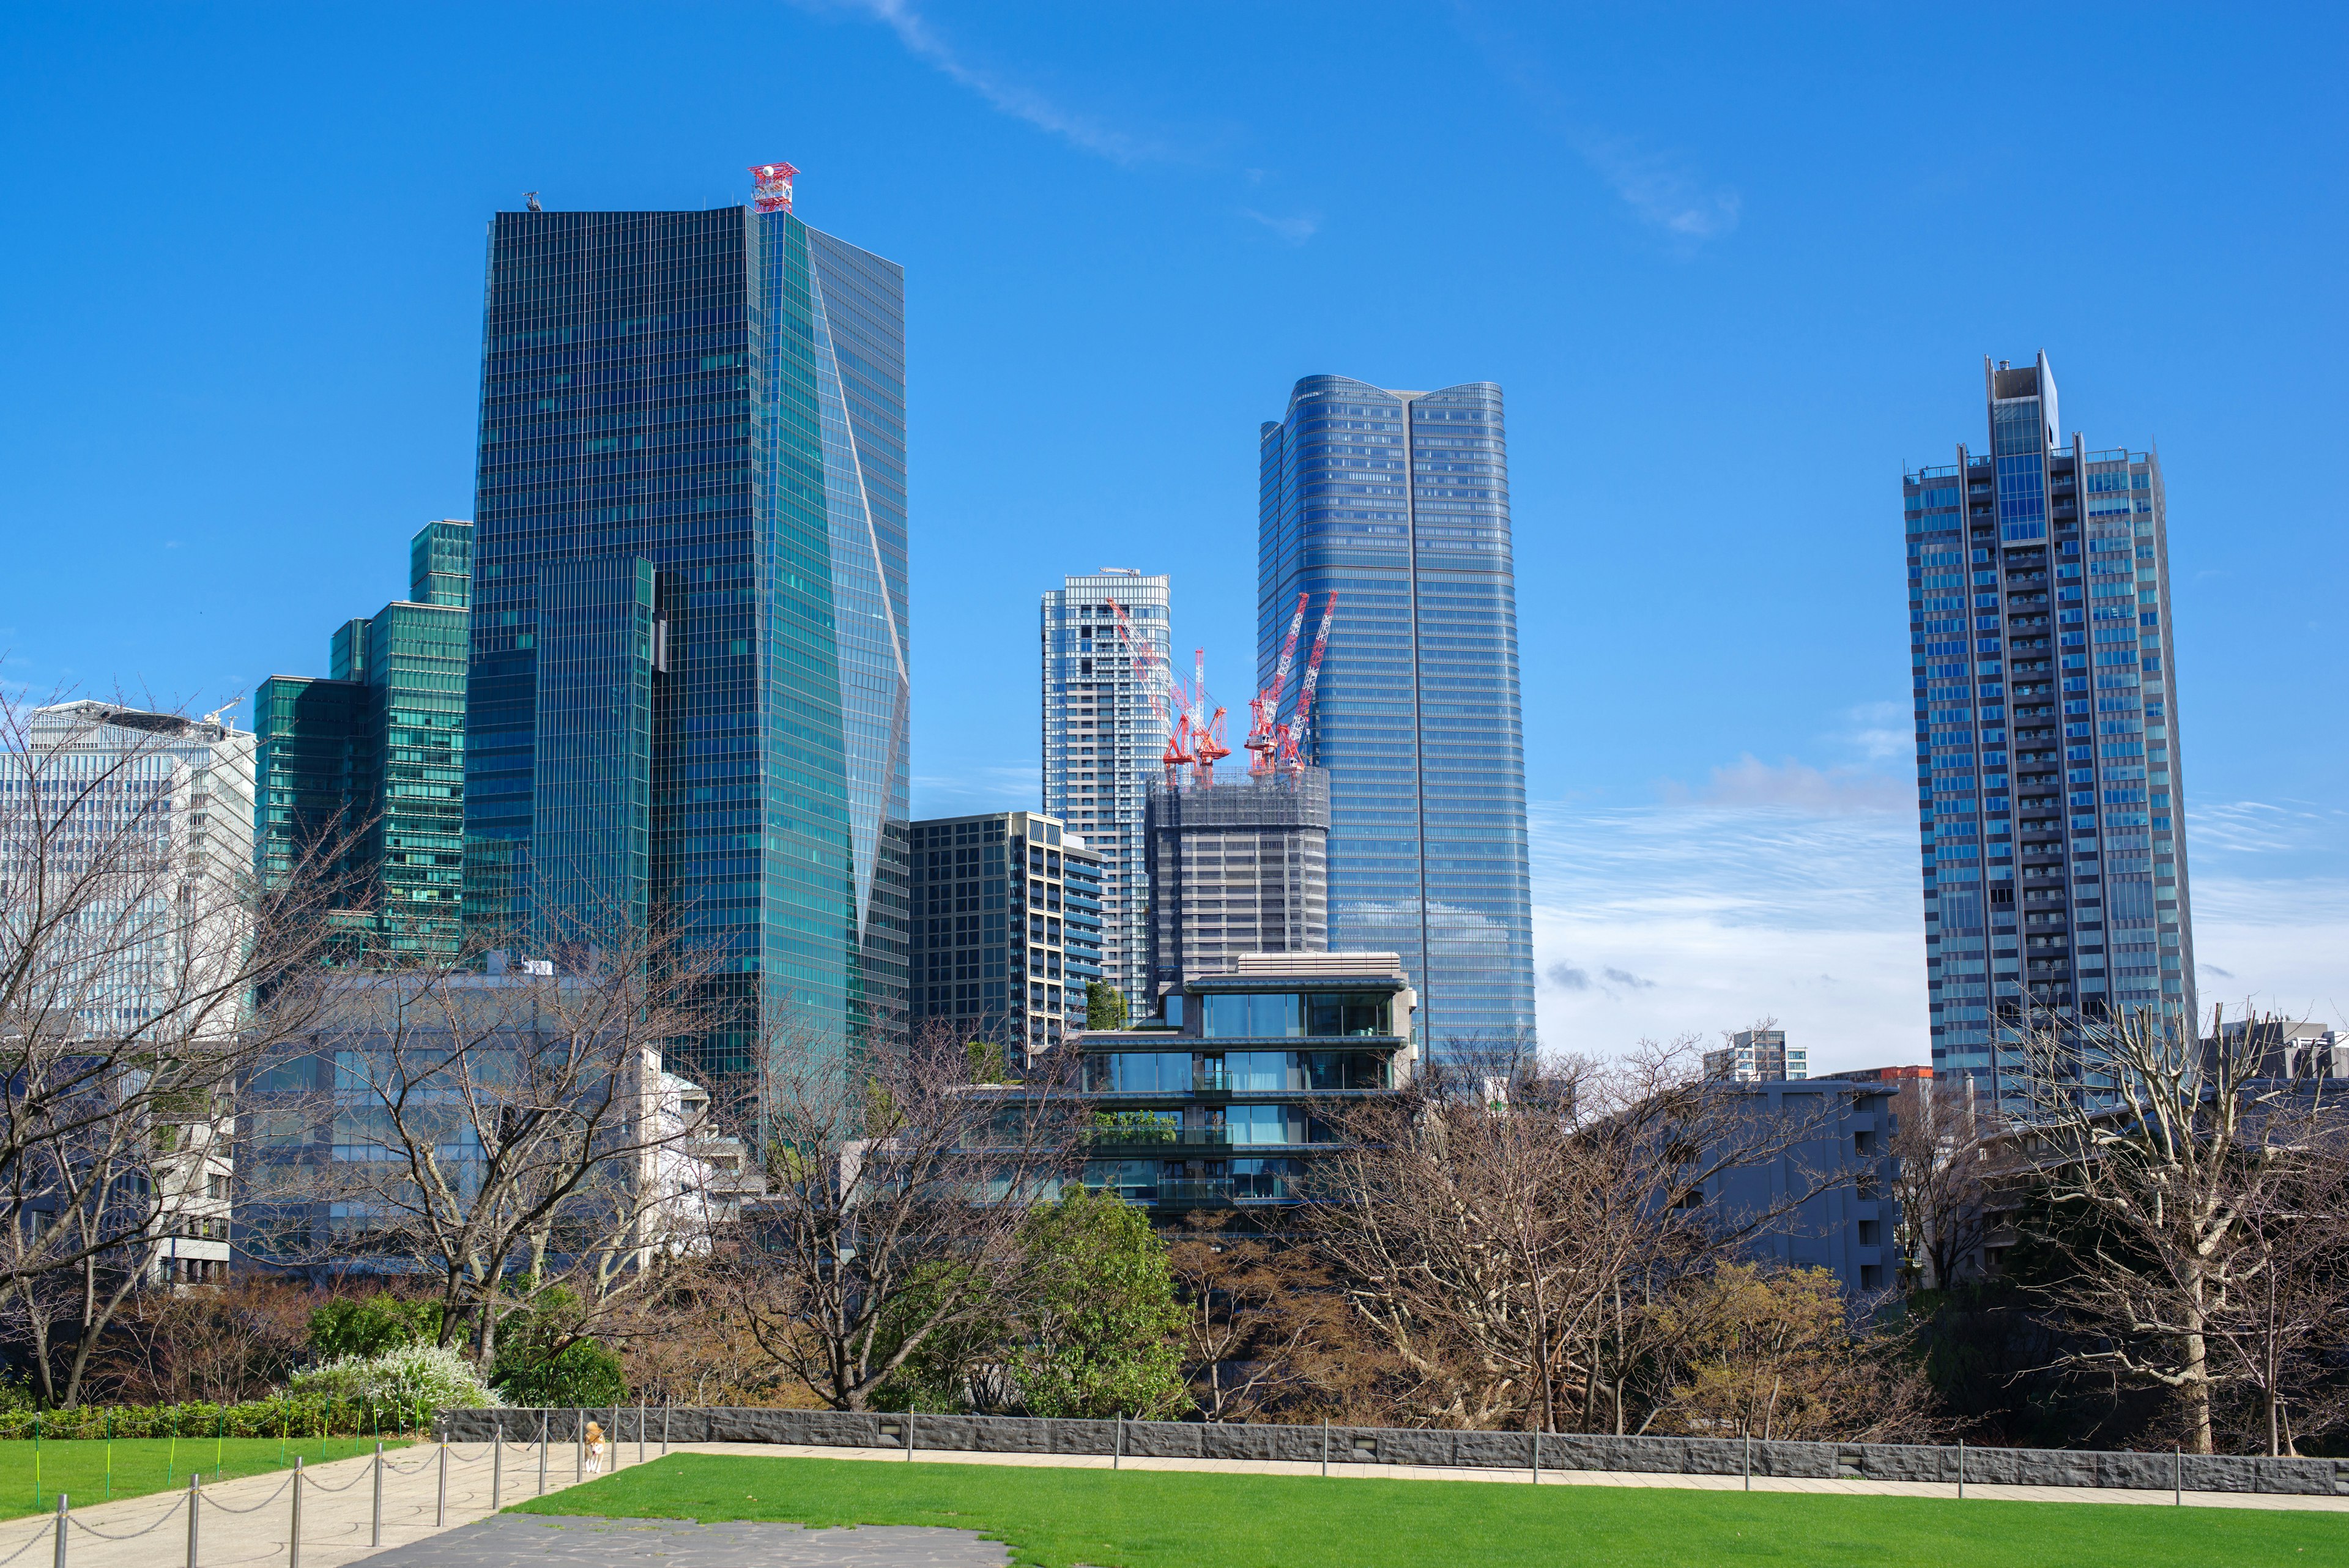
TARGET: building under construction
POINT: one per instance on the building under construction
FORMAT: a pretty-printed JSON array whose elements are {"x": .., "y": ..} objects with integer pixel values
[{"x": 1236, "y": 866}]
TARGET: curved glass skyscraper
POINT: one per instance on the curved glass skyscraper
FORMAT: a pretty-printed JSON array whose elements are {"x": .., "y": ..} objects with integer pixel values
[
  {"x": 1399, "y": 503},
  {"x": 688, "y": 687}
]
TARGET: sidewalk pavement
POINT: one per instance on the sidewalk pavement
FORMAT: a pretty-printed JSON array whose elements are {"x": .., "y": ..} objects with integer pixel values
[
  {"x": 249, "y": 1521},
  {"x": 1973, "y": 1491}
]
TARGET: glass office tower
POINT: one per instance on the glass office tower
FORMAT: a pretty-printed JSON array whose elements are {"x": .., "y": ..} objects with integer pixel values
[
  {"x": 2052, "y": 804},
  {"x": 690, "y": 681},
  {"x": 377, "y": 750},
  {"x": 1399, "y": 503}
]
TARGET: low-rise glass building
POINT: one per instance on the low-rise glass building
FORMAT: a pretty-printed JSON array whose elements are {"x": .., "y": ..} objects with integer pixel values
[{"x": 1225, "y": 1098}]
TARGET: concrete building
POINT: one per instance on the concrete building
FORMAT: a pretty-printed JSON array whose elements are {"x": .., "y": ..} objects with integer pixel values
[
  {"x": 2287, "y": 1050},
  {"x": 1214, "y": 1103},
  {"x": 1832, "y": 1177},
  {"x": 377, "y": 750},
  {"x": 1102, "y": 736},
  {"x": 1240, "y": 865},
  {"x": 2049, "y": 788},
  {"x": 1006, "y": 927},
  {"x": 1754, "y": 1054},
  {"x": 1398, "y": 503}
]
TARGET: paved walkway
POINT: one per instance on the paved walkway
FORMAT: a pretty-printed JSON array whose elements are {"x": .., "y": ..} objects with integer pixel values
[
  {"x": 1549, "y": 1477},
  {"x": 539, "y": 1541},
  {"x": 249, "y": 1521}
]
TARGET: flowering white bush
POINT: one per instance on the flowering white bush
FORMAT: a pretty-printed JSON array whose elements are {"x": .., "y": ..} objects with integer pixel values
[{"x": 415, "y": 1376}]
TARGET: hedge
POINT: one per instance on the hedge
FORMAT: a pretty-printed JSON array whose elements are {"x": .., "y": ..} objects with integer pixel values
[{"x": 254, "y": 1418}]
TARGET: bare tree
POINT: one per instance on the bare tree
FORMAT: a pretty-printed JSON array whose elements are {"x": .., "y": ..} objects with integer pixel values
[
  {"x": 2155, "y": 1150},
  {"x": 1268, "y": 1335},
  {"x": 897, "y": 1189},
  {"x": 142, "y": 972},
  {"x": 506, "y": 1130},
  {"x": 1949, "y": 1153},
  {"x": 2280, "y": 1330},
  {"x": 1506, "y": 1243}
]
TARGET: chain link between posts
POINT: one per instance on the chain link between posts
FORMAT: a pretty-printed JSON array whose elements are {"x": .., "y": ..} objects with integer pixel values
[{"x": 177, "y": 1502}]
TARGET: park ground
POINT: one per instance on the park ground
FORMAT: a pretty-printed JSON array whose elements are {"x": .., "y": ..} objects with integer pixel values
[
  {"x": 32, "y": 1474},
  {"x": 1060, "y": 1518}
]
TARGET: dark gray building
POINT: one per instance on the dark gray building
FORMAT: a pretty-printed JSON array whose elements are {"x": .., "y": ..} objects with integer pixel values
[
  {"x": 1006, "y": 929},
  {"x": 1239, "y": 865}
]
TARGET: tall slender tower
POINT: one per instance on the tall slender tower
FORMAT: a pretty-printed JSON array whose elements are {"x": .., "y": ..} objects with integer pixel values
[
  {"x": 1102, "y": 736},
  {"x": 689, "y": 680},
  {"x": 1398, "y": 502},
  {"x": 2049, "y": 790}
]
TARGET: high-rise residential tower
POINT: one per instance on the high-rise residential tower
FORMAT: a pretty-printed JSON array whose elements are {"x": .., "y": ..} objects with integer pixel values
[
  {"x": 1006, "y": 928},
  {"x": 1399, "y": 503},
  {"x": 2052, "y": 803},
  {"x": 1102, "y": 737},
  {"x": 689, "y": 685},
  {"x": 377, "y": 751}
]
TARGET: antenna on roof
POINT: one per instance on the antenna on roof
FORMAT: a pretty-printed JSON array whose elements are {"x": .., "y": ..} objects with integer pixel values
[{"x": 530, "y": 200}]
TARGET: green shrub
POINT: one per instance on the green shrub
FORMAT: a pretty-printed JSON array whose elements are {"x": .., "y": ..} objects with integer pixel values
[{"x": 381, "y": 1322}]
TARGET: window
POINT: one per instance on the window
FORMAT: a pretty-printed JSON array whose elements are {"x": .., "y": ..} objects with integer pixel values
[
  {"x": 1340, "y": 1012},
  {"x": 1272, "y": 1017},
  {"x": 1140, "y": 1072}
]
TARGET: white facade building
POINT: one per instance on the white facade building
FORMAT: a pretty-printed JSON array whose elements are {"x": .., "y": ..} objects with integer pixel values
[
  {"x": 1102, "y": 737},
  {"x": 166, "y": 803}
]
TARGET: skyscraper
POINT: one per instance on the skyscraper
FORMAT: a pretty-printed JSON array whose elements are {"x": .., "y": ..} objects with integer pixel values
[
  {"x": 1102, "y": 737},
  {"x": 1236, "y": 866},
  {"x": 2052, "y": 806},
  {"x": 377, "y": 750},
  {"x": 689, "y": 682},
  {"x": 1399, "y": 503}
]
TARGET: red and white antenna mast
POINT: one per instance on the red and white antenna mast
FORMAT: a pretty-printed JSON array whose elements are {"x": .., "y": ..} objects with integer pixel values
[{"x": 771, "y": 187}]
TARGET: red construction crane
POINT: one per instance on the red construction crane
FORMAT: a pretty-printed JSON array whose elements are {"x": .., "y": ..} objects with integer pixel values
[
  {"x": 1158, "y": 684},
  {"x": 1264, "y": 708},
  {"x": 1292, "y": 736}
]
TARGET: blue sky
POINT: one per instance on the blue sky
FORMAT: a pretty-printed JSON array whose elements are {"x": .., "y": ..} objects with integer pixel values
[{"x": 1733, "y": 267}]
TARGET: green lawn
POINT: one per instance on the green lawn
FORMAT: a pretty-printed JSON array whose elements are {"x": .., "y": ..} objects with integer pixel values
[
  {"x": 1055, "y": 1518},
  {"x": 142, "y": 1465}
]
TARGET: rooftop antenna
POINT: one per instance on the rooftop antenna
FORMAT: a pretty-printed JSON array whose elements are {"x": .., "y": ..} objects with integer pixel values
[
  {"x": 771, "y": 187},
  {"x": 530, "y": 200}
]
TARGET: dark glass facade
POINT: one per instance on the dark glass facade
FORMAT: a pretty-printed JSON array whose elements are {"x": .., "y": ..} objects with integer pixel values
[
  {"x": 690, "y": 657},
  {"x": 378, "y": 751},
  {"x": 2049, "y": 791},
  {"x": 1399, "y": 503},
  {"x": 1007, "y": 926}
]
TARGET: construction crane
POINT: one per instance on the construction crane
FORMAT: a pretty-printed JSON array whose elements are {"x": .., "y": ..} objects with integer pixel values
[
  {"x": 1157, "y": 681},
  {"x": 1264, "y": 708},
  {"x": 1208, "y": 746},
  {"x": 1292, "y": 736}
]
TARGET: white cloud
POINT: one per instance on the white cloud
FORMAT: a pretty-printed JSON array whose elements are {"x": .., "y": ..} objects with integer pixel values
[
  {"x": 1661, "y": 189},
  {"x": 1296, "y": 230},
  {"x": 1830, "y": 792},
  {"x": 997, "y": 787},
  {"x": 1020, "y": 103}
]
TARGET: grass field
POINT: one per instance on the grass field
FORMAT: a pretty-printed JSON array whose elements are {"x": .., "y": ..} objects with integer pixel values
[
  {"x": 141, "y": 1465},
  {"x": 1056, "y": 1518}
]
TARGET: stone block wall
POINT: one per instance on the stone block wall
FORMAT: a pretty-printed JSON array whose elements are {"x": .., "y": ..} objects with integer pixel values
[{"x": 1413, "y": 1446}]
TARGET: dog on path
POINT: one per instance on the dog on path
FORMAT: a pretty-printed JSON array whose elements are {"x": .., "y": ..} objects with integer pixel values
[{"x": 594, "y": 1447}]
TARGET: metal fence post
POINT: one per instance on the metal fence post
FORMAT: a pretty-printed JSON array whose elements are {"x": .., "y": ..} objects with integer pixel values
[
  {"x": 1325, "y": 1447},
  {"x": 665, "y": 1411},
  {"x": 1537, "y": 1456},
  {"x": 375, "y": 1529},
  {"x": 910, "y": 1418},
  {"x": 294, "y": 1535},
  {"x": 542, "y": 1453},
  {"x": 1961, "y": 1468},
  {"x": 61, "y": 1530},
  {"x": 2177, "y": 1477},
  {"x": 498, "y": 1469},
  {"x": 440, "y": 1492},
  {"x": 1117, "y": 1444},
  {"x": 1749, "y": 1461},
  {"x": 640, "y": 1431},
  {"x": 195, "y": 1493},
  {"x": 579, "y": 1460}
]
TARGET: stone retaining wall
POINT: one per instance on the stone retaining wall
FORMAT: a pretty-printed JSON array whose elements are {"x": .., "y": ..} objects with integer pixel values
[{"x": 1400, "y": 1446}]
